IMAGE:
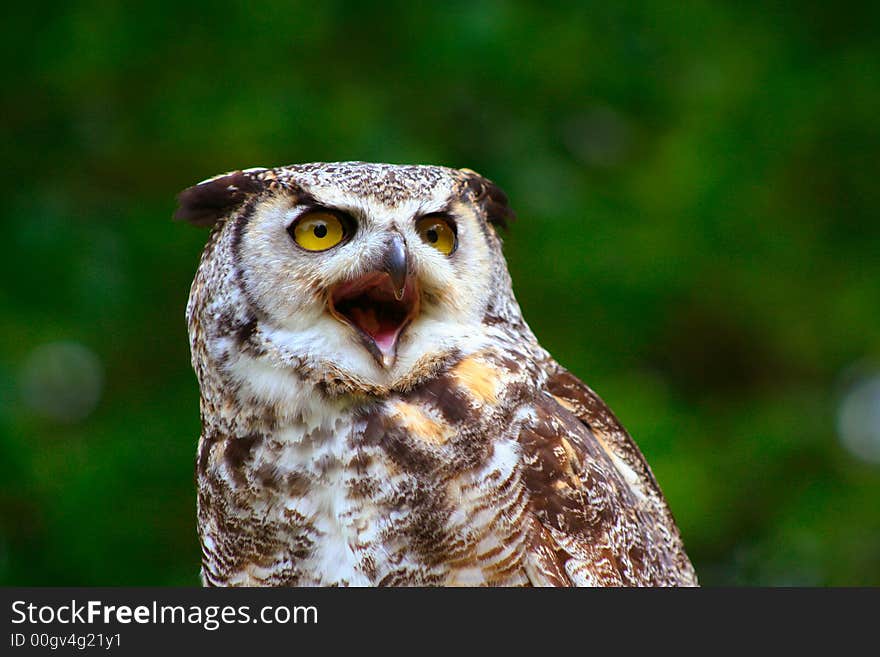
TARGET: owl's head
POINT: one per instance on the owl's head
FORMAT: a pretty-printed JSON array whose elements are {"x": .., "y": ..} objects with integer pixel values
[{"x": 354, "y": 276}]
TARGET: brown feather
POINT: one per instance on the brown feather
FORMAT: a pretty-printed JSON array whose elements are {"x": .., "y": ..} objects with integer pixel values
[{"x": 601, "y": 511}]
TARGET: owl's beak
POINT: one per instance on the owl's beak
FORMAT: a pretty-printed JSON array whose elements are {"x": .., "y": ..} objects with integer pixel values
[
  {"x": 395, "y": 264},
  {"x": 380, "y": 304}
]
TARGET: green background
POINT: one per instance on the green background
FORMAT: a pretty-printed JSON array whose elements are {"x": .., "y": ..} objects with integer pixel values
[{"x": 698, "y": 239}]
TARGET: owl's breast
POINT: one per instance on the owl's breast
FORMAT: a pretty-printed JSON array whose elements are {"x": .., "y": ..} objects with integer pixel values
[
  {"x": 450, "y": 454},
  {"x": 415, "y": 489}
]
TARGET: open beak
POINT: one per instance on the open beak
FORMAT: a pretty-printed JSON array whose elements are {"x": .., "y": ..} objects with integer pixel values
[{"x": 380, "y": 304}]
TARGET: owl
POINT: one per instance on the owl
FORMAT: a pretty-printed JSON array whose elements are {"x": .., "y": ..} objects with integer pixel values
[{"x": 375, "y": 410}]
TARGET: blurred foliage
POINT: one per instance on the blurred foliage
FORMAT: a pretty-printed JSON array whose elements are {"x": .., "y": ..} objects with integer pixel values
[{"x": 698, "y": 239}]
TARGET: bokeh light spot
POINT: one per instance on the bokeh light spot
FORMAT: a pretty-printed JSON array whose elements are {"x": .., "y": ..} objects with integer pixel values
[
  {"x": 62, "y": 381},
  {"x": 858, "y": 419}
]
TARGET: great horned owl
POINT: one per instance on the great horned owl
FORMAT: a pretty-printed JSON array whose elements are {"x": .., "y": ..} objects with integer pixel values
[{"x": 375, "y": 410}]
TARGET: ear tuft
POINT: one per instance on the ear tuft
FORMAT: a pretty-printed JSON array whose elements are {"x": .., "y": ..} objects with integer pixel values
[
  {"x": 204, "y": 204},
  {"x": 488, "y": 196}
]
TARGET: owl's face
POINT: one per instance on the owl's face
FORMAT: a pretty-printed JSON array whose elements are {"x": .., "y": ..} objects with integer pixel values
[{"x": 370, "y": 271}]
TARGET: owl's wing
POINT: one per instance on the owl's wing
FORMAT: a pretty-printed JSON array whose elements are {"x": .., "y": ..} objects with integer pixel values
[{"x": 599, "y": 516}]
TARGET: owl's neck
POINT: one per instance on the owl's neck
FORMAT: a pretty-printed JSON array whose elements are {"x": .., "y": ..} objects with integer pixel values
[{"x": 250, "y": 390}]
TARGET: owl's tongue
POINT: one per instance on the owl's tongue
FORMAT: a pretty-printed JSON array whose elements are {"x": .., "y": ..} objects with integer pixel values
[{"x": 382, "y": 329}]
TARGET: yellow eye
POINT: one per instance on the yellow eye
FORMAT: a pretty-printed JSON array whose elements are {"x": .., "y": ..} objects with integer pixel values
[
  {"x": 318, "y": 231},
  {"x": 437, "y": 232}
]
